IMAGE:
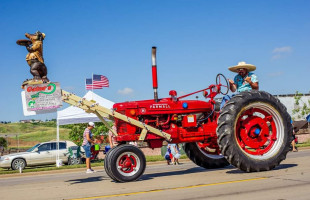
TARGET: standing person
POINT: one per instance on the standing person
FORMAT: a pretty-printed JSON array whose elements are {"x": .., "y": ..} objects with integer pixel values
[
  {"x": 87, "y": 142},
  {"x": 245, "y": 80},
  {"x": 112, "y": 140},
  {"x": 294, "y": 149},
  {"x": 175, "y": 152}
]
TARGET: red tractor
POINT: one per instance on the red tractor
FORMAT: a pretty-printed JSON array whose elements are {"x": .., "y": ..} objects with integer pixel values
[{"x": 252, "y": 131}]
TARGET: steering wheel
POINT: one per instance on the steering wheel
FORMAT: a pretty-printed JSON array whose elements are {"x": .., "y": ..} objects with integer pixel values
[{"x": 218, "y": 82}]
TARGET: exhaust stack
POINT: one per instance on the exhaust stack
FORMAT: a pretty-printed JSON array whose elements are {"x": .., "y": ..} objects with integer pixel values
[{"x": 154, "y": 74}]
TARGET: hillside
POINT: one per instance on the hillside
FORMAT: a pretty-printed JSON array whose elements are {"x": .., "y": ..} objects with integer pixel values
[{"x": 30, "y": 134}]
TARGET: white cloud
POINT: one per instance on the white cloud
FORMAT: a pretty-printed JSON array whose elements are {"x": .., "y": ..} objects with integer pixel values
[
  {"x": 280, "y": 52},
  {"x": 287, "y": 49},
  {"x": 275, "y": 74},
  {"x": 125, "y": 91}
]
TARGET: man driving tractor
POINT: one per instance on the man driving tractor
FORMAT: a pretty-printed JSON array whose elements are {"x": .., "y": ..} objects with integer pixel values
[{"x": 245, "y": 80}]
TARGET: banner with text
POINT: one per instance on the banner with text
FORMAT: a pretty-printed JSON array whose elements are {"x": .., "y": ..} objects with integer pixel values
[{"x": 43, "y": 96}]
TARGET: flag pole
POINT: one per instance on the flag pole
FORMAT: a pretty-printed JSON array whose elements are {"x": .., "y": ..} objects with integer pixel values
[
  {"x": 85, "y": 85},
  {"x": 92, "y": 85}
]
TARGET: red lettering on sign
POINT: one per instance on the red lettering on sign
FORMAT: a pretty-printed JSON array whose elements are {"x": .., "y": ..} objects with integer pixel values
[{"x": 38, "y": 89}]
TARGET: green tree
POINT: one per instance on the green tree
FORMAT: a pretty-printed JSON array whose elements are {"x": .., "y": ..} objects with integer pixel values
[
  {"x": 77, "y": 130},
  {"x": 76, "y": 133},
  {"x": 3, "y": 142},
  {"x": 302, "y": 109}
]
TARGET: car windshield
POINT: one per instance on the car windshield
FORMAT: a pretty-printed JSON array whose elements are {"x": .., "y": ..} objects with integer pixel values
[{"x": 32, "y": 148}]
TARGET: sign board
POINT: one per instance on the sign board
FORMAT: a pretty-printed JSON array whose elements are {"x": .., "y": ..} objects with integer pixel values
[{"x": 41, "y": 98}]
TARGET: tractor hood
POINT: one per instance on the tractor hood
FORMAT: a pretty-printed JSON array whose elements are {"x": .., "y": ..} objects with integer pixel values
[{"x": 165, "y": 105}]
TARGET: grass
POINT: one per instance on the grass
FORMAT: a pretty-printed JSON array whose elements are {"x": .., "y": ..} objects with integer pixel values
[
  {"x": 305, "y": 144},
  {"x": 159, "y": 158},
  {"x": 94, "y": 164},
  {"x": 39, "y": 132},
  {"x": 44, "y": 134}
]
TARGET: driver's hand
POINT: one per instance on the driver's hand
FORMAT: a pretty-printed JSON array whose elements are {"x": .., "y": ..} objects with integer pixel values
[
  {"x": 248, "y": 79},
  {"x": 230, "y": 81}
]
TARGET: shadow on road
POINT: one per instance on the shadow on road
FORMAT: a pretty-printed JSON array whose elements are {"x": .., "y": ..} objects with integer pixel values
[
  {"x": 282, "y": 166},
  {"x": 285, "y": 166},
  {"x": 180, "y": 172},
  {"x": 86, "y": 180}
]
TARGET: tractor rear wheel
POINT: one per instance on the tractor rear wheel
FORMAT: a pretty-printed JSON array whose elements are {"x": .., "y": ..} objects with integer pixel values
[
  {"x": 203, "y": 157},
  {"x": 126, "y": 163},
  {"x": 254, "y": 131}
]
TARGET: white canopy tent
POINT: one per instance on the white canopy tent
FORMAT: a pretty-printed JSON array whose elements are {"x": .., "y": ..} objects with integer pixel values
[{"x": 74, "y": 115}]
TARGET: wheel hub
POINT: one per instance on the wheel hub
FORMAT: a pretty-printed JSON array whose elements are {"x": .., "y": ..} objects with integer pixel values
[
  {"x": 127, "y": 163},
  {"x": 256, "y": 131}
]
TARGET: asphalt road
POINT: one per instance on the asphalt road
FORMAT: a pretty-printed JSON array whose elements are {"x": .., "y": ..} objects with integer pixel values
[{"x": 291, "y": 180}]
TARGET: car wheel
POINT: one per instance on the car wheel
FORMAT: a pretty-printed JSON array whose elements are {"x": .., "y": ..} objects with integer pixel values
[
  {"x": 74, "y": 161},
  {"x": 18, "y": 163}
]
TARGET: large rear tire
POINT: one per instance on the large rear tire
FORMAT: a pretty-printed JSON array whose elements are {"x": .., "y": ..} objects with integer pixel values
[
  {"x": 204, "y": 158},
  {"x": 254, "y": 131},
  {"x": 126, "y": 163}
]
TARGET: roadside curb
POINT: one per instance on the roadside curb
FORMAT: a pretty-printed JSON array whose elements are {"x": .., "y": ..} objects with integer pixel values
[{"x": 62, "y": 171}]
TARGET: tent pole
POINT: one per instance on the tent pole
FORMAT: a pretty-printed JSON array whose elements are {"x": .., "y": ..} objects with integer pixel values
[{"x": 57, "y": 156}]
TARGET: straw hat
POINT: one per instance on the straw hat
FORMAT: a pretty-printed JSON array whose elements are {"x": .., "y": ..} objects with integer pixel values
[{"x": 244, "y": 65}]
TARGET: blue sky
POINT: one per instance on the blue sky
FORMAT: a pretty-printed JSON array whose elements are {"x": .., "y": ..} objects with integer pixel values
[{"x": 196, "y": 39}]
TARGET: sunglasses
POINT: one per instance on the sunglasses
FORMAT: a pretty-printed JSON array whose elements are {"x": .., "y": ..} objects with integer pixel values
[{"x": 241, "y": 69}]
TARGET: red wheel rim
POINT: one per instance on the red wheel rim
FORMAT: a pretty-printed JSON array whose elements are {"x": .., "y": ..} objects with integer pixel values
[
  {"x": 128, "y": 163},
  {"x": 212, "y": 151},
  {"x": 256, "y": 131}
]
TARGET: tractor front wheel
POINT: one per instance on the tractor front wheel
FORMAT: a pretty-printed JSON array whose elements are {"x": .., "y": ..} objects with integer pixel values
[
  {"x": 254, "y": 131},
  {"x": 125, "y": 163},
  {"x": 204, "y": 157},
  {"x": 107, "y": 164}
]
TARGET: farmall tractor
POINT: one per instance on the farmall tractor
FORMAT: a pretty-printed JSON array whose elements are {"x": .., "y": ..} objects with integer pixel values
[{"x": 252, "y": 131}]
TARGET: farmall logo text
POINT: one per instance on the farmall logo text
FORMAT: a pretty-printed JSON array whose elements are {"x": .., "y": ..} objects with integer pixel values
[{"x": 159, "y": 106}]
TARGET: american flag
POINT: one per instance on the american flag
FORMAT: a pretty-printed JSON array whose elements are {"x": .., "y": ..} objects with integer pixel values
[
  {"x": 100, "y": 80},
  {"x": 97, "y": 82}
]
